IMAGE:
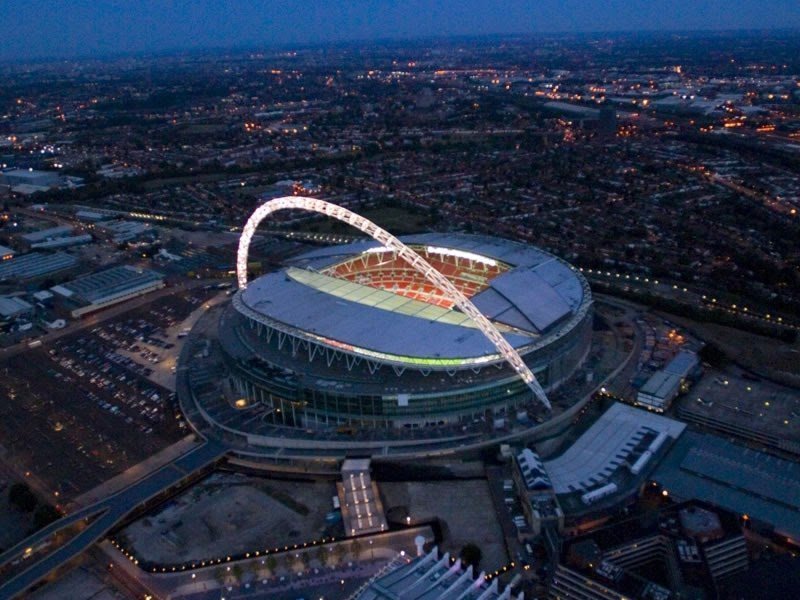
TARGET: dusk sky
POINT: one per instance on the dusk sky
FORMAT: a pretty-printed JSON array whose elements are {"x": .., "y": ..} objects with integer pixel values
[{"x": 42, "y": 28}]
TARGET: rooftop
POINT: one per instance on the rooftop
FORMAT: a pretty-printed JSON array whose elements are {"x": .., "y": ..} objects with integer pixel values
[
  {"x": 96, "y": 287},
  {"x": 35, "y": 264},
  {"x": 47, "y": 234},
  {"x": 735, "y": 477},
  {"x": 606, "y": 446},
  {"x": 11, "y": 306},
  {"x": 661, "y": 384}
]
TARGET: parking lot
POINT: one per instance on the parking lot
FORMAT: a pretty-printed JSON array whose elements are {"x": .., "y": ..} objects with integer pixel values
[{"x": 95, "y": 406}]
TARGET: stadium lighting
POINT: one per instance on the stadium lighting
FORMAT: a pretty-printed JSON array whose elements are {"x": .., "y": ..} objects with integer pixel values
[{"x": 412, "y": 258}]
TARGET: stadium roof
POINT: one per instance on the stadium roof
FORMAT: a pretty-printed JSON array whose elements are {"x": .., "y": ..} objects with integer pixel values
[
  {"x": 388, "y": 330},
  {"x": 515, "y": 254},
  {"x": 735, "y": 477},
  {"x": 527, "y": 303}
]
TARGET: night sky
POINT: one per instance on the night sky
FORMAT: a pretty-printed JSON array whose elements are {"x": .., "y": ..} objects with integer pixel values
[{"x": 97, "y": 28}]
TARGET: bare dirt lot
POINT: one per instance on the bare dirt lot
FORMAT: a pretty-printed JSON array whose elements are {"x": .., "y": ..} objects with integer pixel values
[
  {"x": 231, "y": 514},
  {"x": 465, "y": 507}
]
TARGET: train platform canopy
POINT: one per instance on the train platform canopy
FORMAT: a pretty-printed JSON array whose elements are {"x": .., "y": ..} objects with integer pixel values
[{"x": 432, "y": 577}]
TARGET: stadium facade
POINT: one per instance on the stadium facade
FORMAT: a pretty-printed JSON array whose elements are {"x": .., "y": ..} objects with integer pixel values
[{"x": 353, "y": 337}]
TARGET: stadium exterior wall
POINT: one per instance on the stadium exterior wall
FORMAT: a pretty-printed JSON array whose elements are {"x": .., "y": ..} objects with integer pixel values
[{"x": 307, "y": 405}]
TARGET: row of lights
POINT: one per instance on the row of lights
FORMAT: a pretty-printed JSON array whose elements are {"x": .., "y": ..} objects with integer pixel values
[
  {"x": 500, "y": 571},
  {"x": 497, "y": 573},
  {"x": 767, "y": 317},
  {"x": 618, "y": 276},
  {"x": 215, "y": 561}
]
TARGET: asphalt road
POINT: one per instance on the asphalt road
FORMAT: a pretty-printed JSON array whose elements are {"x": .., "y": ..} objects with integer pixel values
[{"x": 112, "y": 510}]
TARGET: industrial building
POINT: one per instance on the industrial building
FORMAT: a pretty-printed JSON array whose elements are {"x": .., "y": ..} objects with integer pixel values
[
  {"x": 664, "y": 386},
  {"x": 124, "y": 231},
  {"x": 759, "y": 412},
  {"x": 92, "y": 292},
  {"x": 748, "y": 482},
  {"x": 34, "y": 265},
  {"x": 41, "y": 179},
  {"x": 12, "y": 307},
  {"x": 6, "y": 253},
  {"x": 30, "y": 181},
  {"x": 62, "y": 242},
  {"x": 46, "y": 235},
  {"x": 611, "y": 459}
]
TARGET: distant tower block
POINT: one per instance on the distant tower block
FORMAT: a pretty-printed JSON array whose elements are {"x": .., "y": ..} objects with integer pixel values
[{"x": 419, "y": 541}]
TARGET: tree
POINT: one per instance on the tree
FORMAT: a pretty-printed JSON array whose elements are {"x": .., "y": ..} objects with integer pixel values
[
  {"x": 44, "y": 515},
  {"x": 470, "y": 555},
  {"x": 272, "y": 564},
  {"x": 236, "y": 571},
  {"x": 21, "y": 496},
  {"x": 355, "y": 549},
  {"x": 339, "y": 550},
  {"x": 321, "y": 555}
]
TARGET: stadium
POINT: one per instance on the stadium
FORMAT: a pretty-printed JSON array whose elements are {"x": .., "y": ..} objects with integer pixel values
[{"x": 354, "y": 338}]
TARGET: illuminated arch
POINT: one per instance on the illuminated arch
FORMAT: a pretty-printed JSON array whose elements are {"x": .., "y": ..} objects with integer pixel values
[{"x": 406, "y": 253}]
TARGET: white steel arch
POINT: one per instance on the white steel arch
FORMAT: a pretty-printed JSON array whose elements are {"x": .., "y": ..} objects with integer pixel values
[{"x": 412, "y": 258}]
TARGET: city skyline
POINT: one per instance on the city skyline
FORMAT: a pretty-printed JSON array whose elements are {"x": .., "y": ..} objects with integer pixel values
[
  {"x": 35, "y": 30},
  {"x": 269, "y": 316}
]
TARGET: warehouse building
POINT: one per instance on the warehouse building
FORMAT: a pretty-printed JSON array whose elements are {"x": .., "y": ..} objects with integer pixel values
[
  {"x": 35, "y": 265},
  {"x": 12, "y": 307},
  {"x": 99, "y": 290},
  {"x": 665, "y": 385},
  {"x": 611, "y": 460},
  {"x": 46, "y": 235},
  {"x": 762, "y": 487},
  {"x": 63, "y": 242},
  {"x": 6, "y": 253}
]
